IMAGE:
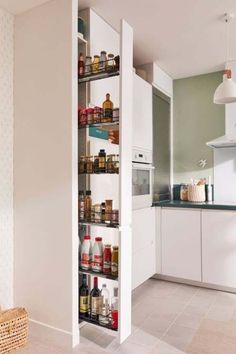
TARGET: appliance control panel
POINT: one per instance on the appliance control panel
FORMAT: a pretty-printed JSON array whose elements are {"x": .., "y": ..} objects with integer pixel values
[{"x": 142, "y": 156}]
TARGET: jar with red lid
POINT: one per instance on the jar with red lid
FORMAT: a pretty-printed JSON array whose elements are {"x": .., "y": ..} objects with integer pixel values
[
  {"x": 107, "y": 259},
  {"x": 83, "y": 117},
  {"x": 97, "y": 115},
  {"x": 90, "y": 114}
]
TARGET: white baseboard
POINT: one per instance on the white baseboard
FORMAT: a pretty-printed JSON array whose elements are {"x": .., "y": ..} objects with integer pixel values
[
  {"x": 52, "y": 335},
  {"x": 194, "y": 283}
]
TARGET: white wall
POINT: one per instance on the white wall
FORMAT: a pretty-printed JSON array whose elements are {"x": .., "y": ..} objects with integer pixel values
[{"x": 6, "y": 159}]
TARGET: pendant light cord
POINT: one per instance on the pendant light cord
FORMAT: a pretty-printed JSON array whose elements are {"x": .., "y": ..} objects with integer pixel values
[{"x": 227, "y": 41}]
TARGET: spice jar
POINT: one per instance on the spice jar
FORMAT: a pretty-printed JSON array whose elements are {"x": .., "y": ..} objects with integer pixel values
[
  {"x": 90, "y": 114},
  {"x": 111, "y": 161},
  {"x": 83, "y": 117},
  {"x": 107, "y": 259},
  {"x": 88, "y": 206},
  {"x": 88, "y": 63},
  {"x": 115, "y": 115},
  {"x": 103, "y": 59},
  {"x": 95, "y": 64},
  {"x": 115, "y": 217},
  {"x": 117, "y": 62},
  {"x": 115, "y": 261},
  {"x": 108, "y": 210},
  {"x": 82, "y": 164},
  {"x": 110, "y": 63},
  {"x": 89, "y": 164},
  {"x": 117, "y": 163},
  {"x": 96, "y": 164},
  {"x": 103, "y": 212},
  {"x": 102, "y": 161},
  {"x": 97, "y": 213},
  {"x": 97, "y": 114},
  {"x": 81, "y": 206}
]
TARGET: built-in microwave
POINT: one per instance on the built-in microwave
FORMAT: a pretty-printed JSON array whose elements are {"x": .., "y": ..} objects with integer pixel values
[{"x": 142, "y": 178}]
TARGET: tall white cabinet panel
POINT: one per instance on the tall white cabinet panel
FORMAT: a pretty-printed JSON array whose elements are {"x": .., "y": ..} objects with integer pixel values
[
  {"x": 219, "y": 247},
  {"x": 45, "y": 169},
  {"x": 143, "y": 246},
  {"x": 126, "y": 110},
  {"x": 142, "y": 113},
  {"x": 181, "y": 243}
]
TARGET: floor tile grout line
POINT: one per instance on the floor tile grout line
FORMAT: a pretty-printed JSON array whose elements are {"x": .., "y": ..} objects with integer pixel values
[{"x": 179, "y": 314}]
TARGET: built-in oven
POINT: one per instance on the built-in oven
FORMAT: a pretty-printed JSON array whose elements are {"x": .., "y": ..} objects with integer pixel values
[{"x": 142, "y": 178}]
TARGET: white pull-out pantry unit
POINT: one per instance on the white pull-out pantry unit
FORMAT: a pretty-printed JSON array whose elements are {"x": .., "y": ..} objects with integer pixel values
[{"x": 46, "y": 157}]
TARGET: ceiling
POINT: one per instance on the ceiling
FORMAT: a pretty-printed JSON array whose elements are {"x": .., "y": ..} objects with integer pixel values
[{"x": 185, "y": 37}]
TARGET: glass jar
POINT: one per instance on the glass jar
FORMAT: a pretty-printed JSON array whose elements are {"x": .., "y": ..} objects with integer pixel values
[
  {"x": 117, "y": 164},
  {"x": 96, "y": 164},
  {"x": 90, "y": 114},
  {"x": 184, "y": 192},
  {"x": 110, "y": 165},
  {"x": 103, "y": 212},
  {"x": 110, "y": 62},
  {"x": 102, "y": 161},
  {"x": 97, "y": 115},
  {"x": 95, "y": 64},
  {"x": 97, "y": 213},
  {"x": 88, "y": 63},
  {"x": 89, "y": 164},
  {"x": 83, "y": 117},
  {"x": 115, "y": 261},
  {"x": 108, "y": 210},
  {"x": 115, "y": 217},
  {"x": 103, "y": 60},
  {"x": 117, "y": 62},
  {"x": 115, "y": 115},
  {"x": 82, "y": 164}
]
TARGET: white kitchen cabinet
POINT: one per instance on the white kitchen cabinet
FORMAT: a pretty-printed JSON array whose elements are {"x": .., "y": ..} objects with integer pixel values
[
  {"x": 143, "y": 246},
  {"x": 46, "y": 171},
  {"x": 142, "y": 113},
  {"x": 219, "y": 247},
  {"x": 181, "y": 243}
]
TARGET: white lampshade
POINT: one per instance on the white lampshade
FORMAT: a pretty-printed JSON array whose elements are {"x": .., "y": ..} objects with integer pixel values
[{"x": 226, "y": 91}]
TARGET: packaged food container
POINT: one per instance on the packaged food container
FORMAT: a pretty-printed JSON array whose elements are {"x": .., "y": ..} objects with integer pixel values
[
  {"x": 111, "y": 162},
  {"x": 90, "y": 115},
  {"x": 89, "y": 164},
  {"x": 97, "y": 114},
  {"x": 82, "y": 164},
  {"x": 184, "y": 192},
  {"x": 88, "y": 63},
  {"x": 115, "y": 217},
  {"x": 83, "y": 117},
  {"x": 115, "y": 115},
  {"x": 103, "y": 60},
  {"x": 108, "y": 212},
  {"x": 95, "y": 64}
]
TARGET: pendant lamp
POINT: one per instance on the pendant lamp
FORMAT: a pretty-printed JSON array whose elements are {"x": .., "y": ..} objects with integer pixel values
[{"x": 226, "y": 91}]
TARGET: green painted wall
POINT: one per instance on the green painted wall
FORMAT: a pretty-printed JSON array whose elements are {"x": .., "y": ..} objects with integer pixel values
[{"x": 196, "y": 120}]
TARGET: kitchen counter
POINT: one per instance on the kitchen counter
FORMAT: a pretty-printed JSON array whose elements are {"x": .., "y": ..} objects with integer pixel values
[{"x": 203, "y": 205}]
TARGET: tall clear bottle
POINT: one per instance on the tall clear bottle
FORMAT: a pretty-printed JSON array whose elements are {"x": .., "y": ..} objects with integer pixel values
[
  {"x": 105, "y": 306},
  {"x": 81, "y": 206}
]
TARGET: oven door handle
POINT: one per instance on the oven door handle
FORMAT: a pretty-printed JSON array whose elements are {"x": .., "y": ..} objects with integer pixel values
[{"x": 142, "y": 166}]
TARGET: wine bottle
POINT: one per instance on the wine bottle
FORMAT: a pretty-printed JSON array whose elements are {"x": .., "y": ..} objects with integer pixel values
[
  {"x": 84, "y": 297},
  {"x": 95, "y": 300}
]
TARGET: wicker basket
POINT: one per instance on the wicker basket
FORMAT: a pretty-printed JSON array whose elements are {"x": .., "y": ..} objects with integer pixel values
[
  {"x": 196, "y": 193},
  {"x": 13, "y": 329}
]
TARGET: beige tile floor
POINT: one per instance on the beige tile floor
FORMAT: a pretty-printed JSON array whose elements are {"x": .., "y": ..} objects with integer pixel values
[{"x": 167, "y": 318}]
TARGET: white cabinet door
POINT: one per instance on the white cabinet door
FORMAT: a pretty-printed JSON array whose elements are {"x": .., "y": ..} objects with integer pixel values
[
  {"x": 181, "y": 243},
  {"x": 219, "y": 247},
  {"x": 143, "y": 245},
  {"x": 142, "y": 113}
]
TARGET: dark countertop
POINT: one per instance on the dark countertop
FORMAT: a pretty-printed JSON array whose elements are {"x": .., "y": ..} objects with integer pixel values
[{"x": 204, "y": 205}]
